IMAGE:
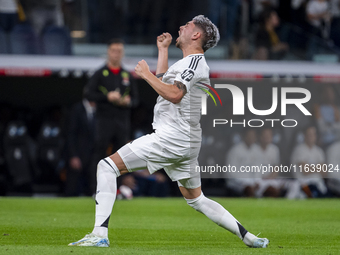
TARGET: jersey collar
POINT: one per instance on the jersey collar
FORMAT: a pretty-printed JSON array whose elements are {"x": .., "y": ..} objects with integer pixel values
[{"x": 196, "y": 54}]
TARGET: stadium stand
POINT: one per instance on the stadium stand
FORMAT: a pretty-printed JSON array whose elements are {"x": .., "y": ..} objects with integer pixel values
[
  {"x": 56, "y": 41},
  {"x": 23, "y": 40},
  {"x": 17, "y": 156},
  {"x": 3, "y": 42}
]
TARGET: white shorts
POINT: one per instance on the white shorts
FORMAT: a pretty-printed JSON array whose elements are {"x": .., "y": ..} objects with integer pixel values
[{"x": 150, "y": 152}]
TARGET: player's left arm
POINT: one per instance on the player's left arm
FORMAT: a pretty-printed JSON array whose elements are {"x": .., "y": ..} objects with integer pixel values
[{"x": 171, "y": 92}]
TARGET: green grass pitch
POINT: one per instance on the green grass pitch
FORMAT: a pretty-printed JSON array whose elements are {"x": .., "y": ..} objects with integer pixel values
[{"x": 168, "y": 226}]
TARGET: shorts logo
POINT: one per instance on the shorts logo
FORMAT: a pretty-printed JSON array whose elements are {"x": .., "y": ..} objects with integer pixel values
[{"x": 187, "y": 75}]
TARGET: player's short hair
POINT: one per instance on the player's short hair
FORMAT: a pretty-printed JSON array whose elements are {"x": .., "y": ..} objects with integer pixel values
[
  {"x": 115, "y": 41},
  {"x": 211, "y": 36}
]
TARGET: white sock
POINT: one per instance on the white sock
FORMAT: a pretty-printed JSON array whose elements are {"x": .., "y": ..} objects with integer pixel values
[
  {"x": 249, "y": 239},
  {"x": 221, "y": 217},
  {"x": 107, "y": 173}
]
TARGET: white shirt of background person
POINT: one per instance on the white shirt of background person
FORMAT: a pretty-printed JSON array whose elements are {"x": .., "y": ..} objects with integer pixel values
[
  {"x": 309, "y": 153},
  {"x": 316, "y": 7},
  {"x": 242, "y": 155}
]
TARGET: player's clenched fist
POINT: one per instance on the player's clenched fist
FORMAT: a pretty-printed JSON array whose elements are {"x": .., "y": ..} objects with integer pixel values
[
  {"x": 142, "y": 68},
  {"x": 164, "y": 40}
]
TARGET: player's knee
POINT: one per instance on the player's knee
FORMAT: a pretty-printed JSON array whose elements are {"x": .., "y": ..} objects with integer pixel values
[
  {"x": 108, "y": 167},
  {"x": 103, "y": 166},
  {"x": 197, "y": 202}
]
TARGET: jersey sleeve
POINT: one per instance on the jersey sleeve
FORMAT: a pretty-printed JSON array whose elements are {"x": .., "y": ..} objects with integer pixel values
[{"x": 187, "y": 72}]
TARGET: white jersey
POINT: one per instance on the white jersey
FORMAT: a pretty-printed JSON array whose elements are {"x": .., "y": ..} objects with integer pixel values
[
  {"x": 270, "y": 155},
  {"x": 304, "y": 154},
  {"x": 241, "y": 155},
  {"x": 179, "y": 123}
]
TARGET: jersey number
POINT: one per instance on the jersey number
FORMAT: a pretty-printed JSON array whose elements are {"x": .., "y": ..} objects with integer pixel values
[{"x": 187, "y": 75}]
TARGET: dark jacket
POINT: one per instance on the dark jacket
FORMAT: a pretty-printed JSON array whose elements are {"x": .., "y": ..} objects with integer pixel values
[
  {"x": 104, "y": 81},
  {"x": 263, "y": 39}
]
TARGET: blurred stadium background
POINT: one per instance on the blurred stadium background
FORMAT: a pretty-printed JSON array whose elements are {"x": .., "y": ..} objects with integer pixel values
[{"x": 50, "y": 48}]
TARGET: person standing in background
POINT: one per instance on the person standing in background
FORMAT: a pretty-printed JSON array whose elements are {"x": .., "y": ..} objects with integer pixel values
[{"x": 114, "y": 91}]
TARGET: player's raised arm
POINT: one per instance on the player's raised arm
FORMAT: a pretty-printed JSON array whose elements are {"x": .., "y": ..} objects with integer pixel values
[
  {"x": 170, "y": 92},
  {"x": 163, "y": 43}
]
